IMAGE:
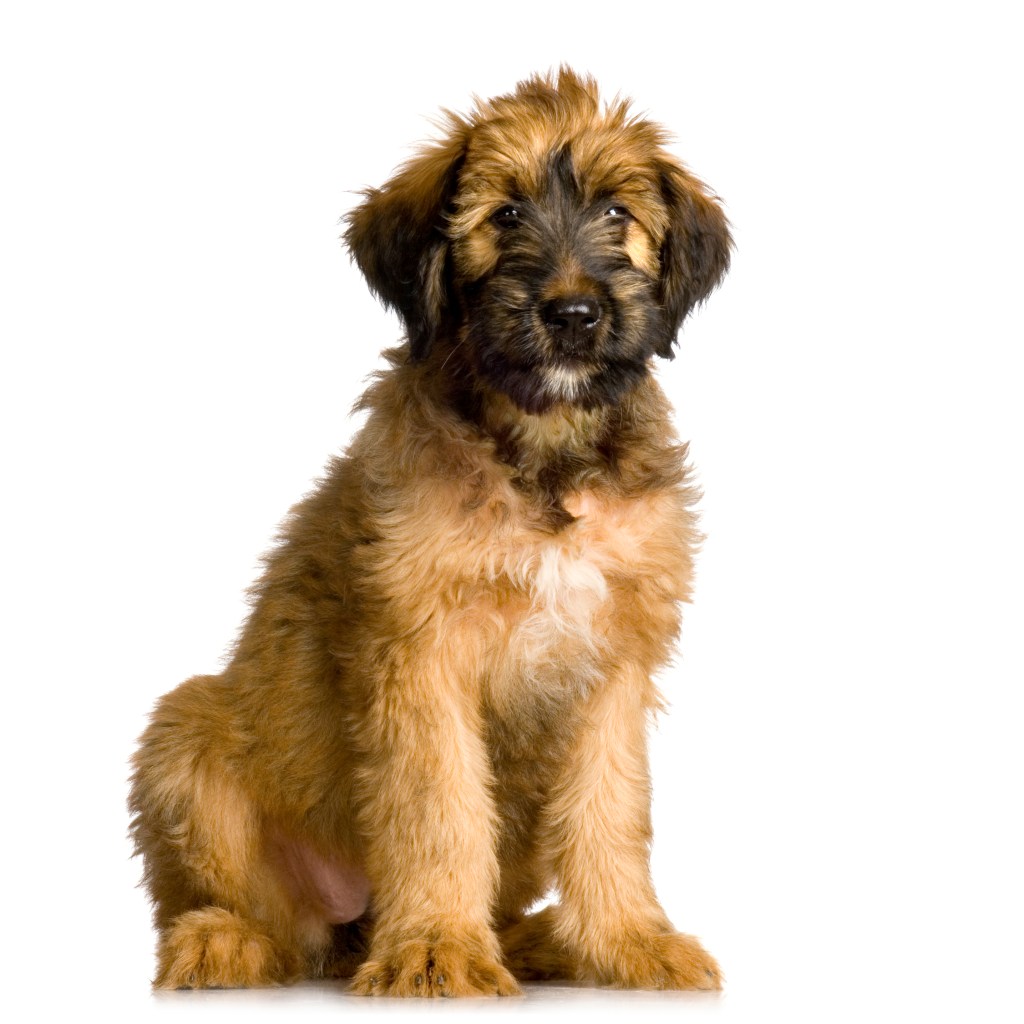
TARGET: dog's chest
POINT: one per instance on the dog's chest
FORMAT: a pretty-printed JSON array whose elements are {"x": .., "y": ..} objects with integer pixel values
[
  {"x": 550, "y": 599},
  {"x": 560, "y": 590}
]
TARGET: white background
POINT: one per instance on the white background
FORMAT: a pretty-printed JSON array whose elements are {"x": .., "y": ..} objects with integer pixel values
[{"x": 838, "y": 784}]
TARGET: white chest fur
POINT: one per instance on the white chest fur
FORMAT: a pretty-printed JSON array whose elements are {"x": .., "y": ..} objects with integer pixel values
[
  {"x": 550, "y": 642},
  {"x": 555, "y": 632},
  {"x": 566, "y": 586}
]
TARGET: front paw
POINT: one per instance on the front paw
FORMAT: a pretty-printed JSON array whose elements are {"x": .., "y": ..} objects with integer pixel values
[
  {"x": 449, "y": 967},
  {"x": 662, "y": 961}
]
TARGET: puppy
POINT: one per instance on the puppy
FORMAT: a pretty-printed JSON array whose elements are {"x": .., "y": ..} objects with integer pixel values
[{"x": 436, "y": 713}]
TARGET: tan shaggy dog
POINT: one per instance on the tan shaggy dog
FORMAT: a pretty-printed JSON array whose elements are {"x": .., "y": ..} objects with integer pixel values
[{"x": 436, "y": 712}]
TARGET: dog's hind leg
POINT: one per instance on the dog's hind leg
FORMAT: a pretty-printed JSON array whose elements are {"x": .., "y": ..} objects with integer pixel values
[
  {"x": 220, "y": 907},
  {"x": 217, "y": 948},
  {"x": 532, "y": 953}
]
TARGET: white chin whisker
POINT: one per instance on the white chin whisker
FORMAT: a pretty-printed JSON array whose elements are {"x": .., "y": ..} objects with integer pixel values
[{"x": 565, "y": 382}]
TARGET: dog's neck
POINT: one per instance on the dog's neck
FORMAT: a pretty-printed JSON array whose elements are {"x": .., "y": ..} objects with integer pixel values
[
  {"x": 533, "y": 441},
  {"x": 553, "y": 453},
  {"x": 568, "y": 449},
  {"x": 627, "y": 448}
]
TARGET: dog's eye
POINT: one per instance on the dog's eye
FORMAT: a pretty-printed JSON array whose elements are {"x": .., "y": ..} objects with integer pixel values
[
  {"x": 617, "y": 212},
  {"x": 507, "y": 217}
]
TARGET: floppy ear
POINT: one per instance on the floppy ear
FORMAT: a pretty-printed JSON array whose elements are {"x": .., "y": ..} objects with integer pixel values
[
  {"x": 397, "y": 237},
  {"x": 695, "y": 252}
]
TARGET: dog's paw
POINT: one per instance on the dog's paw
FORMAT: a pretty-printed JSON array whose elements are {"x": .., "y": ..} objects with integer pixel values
[
  {"x": 445, "y": 968},
  {"x": 532, "y": 952},
  {"x": 214, "y": 948},
  {"x": 666, "y": 961}
]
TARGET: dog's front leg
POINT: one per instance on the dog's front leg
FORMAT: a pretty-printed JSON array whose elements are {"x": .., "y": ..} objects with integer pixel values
[
  {"x": 429, "y": 822},
  {"x": 609, "y": 920}
]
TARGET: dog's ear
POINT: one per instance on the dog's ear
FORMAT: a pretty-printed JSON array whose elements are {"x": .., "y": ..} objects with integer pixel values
[
  {"x": 695, "y": 252},
  {"x": 397, "y": 236}
]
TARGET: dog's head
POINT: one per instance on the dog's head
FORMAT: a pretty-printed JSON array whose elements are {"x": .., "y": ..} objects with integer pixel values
[{"x": 551, "y": 238}]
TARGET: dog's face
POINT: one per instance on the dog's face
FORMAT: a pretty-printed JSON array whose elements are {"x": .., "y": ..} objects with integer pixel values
[{"x": 555, "y": 243}]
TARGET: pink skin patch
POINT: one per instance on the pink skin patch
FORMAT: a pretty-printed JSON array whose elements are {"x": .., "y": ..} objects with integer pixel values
[{"x": 331, "y": 887}]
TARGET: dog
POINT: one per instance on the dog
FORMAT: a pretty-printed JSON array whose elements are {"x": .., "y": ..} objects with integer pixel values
[{"x": 436, "y": 712}]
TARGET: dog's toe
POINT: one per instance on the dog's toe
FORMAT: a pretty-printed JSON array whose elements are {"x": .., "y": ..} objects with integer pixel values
[{"x": 425, "y": 969}]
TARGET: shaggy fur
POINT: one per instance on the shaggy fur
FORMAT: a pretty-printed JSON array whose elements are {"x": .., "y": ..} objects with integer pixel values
[{"x": 437, "y": 710}]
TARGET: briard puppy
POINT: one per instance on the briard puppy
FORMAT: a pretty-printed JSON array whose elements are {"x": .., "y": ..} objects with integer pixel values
[{"x": 437, "y": 711}]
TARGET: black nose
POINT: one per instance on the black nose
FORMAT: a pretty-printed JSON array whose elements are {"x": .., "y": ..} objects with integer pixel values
[{"x": 571, "y": 320}]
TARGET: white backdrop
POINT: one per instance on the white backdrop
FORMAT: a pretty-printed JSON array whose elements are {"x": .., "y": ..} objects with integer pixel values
[{"x": 838, "y": 783}]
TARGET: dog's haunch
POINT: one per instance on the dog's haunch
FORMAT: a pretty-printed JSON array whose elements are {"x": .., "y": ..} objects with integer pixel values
[{"x": 436, "y": 712}]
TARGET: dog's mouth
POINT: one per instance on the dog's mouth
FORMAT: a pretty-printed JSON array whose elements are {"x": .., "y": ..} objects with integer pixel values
[
  {"x": 576, "y": 361},
  {"x": 538, "y": 385}
]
